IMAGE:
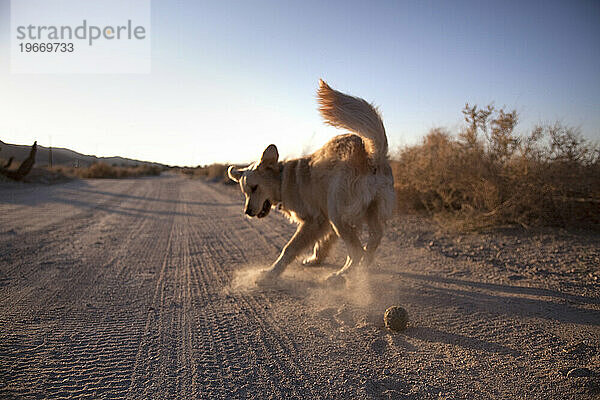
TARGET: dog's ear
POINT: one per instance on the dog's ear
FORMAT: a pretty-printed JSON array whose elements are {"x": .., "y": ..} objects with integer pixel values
[
  {"x": 269, "y": 157},
  {"x": 234, "y": 173}
]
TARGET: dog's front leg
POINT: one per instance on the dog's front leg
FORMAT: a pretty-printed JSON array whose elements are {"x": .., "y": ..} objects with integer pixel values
[{"x": 303, "y": 238}]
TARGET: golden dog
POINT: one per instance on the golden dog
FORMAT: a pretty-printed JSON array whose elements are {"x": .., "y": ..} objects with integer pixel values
[{"x": 330, "y": 193}]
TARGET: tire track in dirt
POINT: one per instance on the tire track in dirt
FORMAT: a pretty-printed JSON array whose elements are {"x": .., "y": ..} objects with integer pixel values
[
  {"x": 272, "y": 352},
  {"x": 53, "y": 257},
  {"x": 165, "y": 347},
  {"x": 49, "y": 242},
  {"x": 79, "y": 360},
  {"x": 225, "y": 345}
]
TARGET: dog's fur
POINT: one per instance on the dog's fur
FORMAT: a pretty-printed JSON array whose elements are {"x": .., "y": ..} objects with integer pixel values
[{"x": 331, "y": 192}]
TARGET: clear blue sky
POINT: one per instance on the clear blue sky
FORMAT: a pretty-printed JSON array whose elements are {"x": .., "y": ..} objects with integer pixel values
[{"x": 228, "y": 78}]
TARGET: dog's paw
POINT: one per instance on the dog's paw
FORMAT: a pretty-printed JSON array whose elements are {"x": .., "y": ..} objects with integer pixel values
[
  {"x": 311, "y": 261},
  {"x": 335, "y": 280},
  {"x": 266, "y": 277}
]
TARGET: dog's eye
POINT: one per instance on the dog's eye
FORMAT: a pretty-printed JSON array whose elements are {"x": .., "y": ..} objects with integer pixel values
[{"x": 253, "y": 188}]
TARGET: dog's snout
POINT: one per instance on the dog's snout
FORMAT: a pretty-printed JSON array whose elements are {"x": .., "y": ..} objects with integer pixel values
[{"x": 249, "y": 212}]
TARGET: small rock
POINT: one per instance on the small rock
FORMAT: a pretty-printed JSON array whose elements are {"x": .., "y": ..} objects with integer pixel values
[{"x": 579, "y": 373}]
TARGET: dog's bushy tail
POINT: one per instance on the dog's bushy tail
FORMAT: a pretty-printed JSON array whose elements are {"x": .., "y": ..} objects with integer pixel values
[{"x": 358, "y": 116}]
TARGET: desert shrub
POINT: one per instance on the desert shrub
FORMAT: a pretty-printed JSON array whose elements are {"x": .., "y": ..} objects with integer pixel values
[
  {"x": 488, "y": 175},
  {"x": 104, "y": 171},
  {"x": 101, "y": 170},
  {"x": 147, "y": 170},
  {"x": 213, "y": 172}
]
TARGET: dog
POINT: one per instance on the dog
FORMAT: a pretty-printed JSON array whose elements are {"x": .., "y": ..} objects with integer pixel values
[{"x": 330, "y": 193}]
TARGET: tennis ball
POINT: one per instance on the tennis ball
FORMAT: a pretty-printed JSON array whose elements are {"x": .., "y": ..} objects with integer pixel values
[{"x": 396, "y": 318}]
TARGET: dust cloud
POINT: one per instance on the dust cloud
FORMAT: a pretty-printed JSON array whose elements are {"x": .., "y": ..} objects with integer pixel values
[{"x": 361, "y": 301}]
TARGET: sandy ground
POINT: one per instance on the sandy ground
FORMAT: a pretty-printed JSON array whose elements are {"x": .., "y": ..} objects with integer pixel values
[{"x": 141, "y": 289}]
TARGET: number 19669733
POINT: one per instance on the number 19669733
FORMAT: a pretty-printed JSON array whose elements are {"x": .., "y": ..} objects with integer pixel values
[{"x": 46, "y": 47}]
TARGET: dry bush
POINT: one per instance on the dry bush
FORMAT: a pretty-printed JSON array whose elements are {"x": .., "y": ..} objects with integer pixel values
[
  {"x": 147, "y": 170},
  {"x": 213, "y": 172},
  {"x": 104, "y": 171},
  {"x": 101, "y": 170},
  {"x": 487, "y": 175}
]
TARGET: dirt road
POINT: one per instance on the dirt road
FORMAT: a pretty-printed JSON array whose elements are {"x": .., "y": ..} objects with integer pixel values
[{"x": 141, "y": 289}]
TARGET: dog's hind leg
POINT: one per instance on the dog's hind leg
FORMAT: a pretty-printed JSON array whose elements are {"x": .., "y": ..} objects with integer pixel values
[
  {"x": 376, "y": 225},
  {"x": 321, "y": 249},
  {"x": 349, "y": 235},
  {"x": 303, "y": 238}
]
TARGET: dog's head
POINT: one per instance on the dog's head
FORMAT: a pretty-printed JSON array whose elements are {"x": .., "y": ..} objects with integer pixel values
[{"x": 260, "y": 183}]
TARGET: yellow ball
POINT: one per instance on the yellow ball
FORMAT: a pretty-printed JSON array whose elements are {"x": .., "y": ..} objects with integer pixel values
[{"x": 396, "y": 318}]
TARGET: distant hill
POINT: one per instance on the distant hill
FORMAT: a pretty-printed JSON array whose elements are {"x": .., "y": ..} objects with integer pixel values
[{"x": 62, "y": 156}]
